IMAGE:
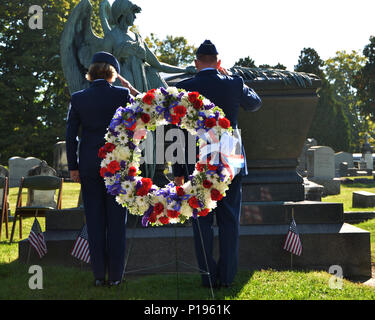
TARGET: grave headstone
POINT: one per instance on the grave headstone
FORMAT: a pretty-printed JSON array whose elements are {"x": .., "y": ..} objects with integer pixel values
[
  {"x": 3, "y": 173},
  {"x": 302, "y": 160},
  {"x": 321, "y": 169},
  {"x": 363, "y": 199},
  {"x": 344, "y": 157},
  {"x": 343, "y": 169},
  {"x": 43, "y": 198},
  {"x": 60, "y": 162},
  {"x": 19, "y": 167}
]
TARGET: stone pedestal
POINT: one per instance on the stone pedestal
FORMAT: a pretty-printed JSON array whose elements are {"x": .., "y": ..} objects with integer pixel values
[
  {"x": 326, "y": 240},
  {"x": 363, "y": 199}
]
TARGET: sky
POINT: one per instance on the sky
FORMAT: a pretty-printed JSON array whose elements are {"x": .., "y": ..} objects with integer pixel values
[{"x": 269, "y": 31}]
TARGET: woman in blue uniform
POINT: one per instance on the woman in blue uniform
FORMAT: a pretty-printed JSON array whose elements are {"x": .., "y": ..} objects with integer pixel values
[{"x": 91, "y": 110}]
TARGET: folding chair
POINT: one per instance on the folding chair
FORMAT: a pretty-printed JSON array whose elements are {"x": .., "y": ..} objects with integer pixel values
[
  {"x": 36, "y": 208},
  {"x": 4, "y": 206}
]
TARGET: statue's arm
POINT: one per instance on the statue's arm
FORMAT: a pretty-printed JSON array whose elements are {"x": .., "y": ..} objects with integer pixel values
[{"x": 164, "y": 67}]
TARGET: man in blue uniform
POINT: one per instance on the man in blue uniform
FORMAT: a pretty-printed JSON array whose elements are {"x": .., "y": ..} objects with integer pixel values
[
  {"x": 228, "y": 92},
  {"x": 92, "y": 111}
]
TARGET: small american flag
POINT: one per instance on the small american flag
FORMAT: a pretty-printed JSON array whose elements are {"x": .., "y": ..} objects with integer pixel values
[
  {"x": 81, "y": 246},
  {"x": 36, "y": 239},
  {"x": 293, "y": 242}
]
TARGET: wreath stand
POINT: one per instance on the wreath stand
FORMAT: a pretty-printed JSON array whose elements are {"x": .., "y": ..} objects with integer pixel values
[{"x": 176, "y": 260}]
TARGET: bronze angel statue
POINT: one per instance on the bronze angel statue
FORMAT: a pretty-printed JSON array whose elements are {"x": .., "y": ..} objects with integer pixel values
[{"x": 79, "y": 43}]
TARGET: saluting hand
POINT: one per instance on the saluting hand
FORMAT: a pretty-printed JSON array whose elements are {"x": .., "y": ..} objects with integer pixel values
[{"x": 125, "y": 83}]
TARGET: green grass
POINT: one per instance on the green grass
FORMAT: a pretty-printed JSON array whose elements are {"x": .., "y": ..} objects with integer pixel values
[
  {"x": 346, "y": 194},
  {"x": 76, "y": 284}
]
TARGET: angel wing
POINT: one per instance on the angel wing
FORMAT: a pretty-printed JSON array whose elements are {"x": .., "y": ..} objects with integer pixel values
[{"x": 77, "y": 46}]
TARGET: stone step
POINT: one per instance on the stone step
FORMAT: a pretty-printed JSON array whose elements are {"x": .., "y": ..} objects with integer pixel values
[
  {"x": 66, "y": 219},
  {"x": 323, "y": 245}
]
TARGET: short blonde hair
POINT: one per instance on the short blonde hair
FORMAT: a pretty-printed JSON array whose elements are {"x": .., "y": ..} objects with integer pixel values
[{"x": 101, "y": 70}]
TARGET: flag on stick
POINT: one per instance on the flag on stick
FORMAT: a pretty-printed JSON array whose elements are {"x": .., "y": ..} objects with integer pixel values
[
  {"x": 293, "y": 242},
  {"x": 36, "y": 239},
  {"x": 81, "y": 246}
]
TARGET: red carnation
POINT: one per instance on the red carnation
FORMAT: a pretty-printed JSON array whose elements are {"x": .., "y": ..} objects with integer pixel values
[
  {"x": 145, "y": 117},
  {"x": 164, "y": 220},
  {"x": 132, "y": 171},
  {"x": 180, "y": 191},
  {"x": 210, "y": 122},
  {"x": 148, "y": 98},
  {"x": 197, "y": 104},
  {"x": 158, "y": 208},
  {"x": 180, "y": 111},
  {"x": 211, "y": 167},
  {"x": 151, "y": 91},
  {"x": 207, "y": 184},
  {"x": 193, "y": 96},
  {"x": 200, "y": 167},
  {"x": 175, "y": 119},
  {"x": 216, "y": 195},
  {"x": 146, "y": 183},
  {"x": 204, "y": 212},
  {"x": 146, "y": 186},
  {"x": 133, "y": 126},
  {"x": 152, "y": 217},
  {"x": 103, "y": 171},
  {"x": 173, "y": 213},
  {"x": 113, "y": 167},
  {"x": 224, "y": 123},
  {"x": 109, "y": 147},
  {"x": 193, "y": 202},
  {"x": 102, "y": 154}
]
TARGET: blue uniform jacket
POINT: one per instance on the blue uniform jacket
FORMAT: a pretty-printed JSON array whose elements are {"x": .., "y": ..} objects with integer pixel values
[
  {"x": 91, "y": 109},
  {"x": 226, "y": 92}
]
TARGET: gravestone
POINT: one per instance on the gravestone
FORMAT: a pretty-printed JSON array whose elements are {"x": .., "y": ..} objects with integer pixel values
[
  {"x": 321, "y": 169},
  {"x": 367, "y": 154},
  {"x": 43, "y": 198},
  {"x": 60, "y": 161},
  {"x": 19, "y": 167},
  {"x": 363, "y": 199},
  {"x": 302, "y": 160},
  {"x": 343, "y": 169},
  {"x": 3, "y": 173},
  {"x": 343, "y": 157}
]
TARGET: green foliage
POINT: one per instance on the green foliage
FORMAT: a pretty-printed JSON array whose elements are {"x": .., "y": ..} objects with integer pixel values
[
  {"x": 250, "y": 63},
  {"x": 330, "y": 125},
  {"x": 365, "y": 81},
  {"x": 341, "y": 71},
  {"x": 245, "y": 62},
  {"x": 33, "y": 92},
  {"x": 172, "y": 50}
]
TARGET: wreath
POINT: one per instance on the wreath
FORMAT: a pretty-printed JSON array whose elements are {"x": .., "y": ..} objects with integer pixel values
[{"x": 121, "y": 156}]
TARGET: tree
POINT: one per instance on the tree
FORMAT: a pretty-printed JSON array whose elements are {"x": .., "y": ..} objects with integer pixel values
[
  {"x": 245, "y": 62},
  {"x": 365, "y": 81},
  {"x": 173, "y": 50},
  {"x": 341, "y": 71},
  {"x": 330, "y": 126},
  {"x": 33, "y": 92},
  {"x": 250, "y": 63}
]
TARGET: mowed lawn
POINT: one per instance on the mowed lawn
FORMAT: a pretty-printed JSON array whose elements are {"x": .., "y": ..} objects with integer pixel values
[{"x": 76, "y": 284}]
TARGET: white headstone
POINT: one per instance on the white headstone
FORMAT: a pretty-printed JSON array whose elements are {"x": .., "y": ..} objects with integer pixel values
[
  {"x": 60, "y": 162},
  {"x": 19, "y": 167},
  {"x": 344, "y": 157},
  {"x": 367, "y": 157},
  {"x": 321, "y": 162}
]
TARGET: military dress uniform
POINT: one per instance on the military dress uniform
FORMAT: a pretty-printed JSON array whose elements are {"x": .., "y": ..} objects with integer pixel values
[
  {"x": 229, "y": 93},
  {"x": 92, "y": 110}
]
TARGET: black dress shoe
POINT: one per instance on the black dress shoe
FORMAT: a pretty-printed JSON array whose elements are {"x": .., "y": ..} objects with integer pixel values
[
  {"x": 99, "y": 283},
  {"x": 114, "y": 283}
]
